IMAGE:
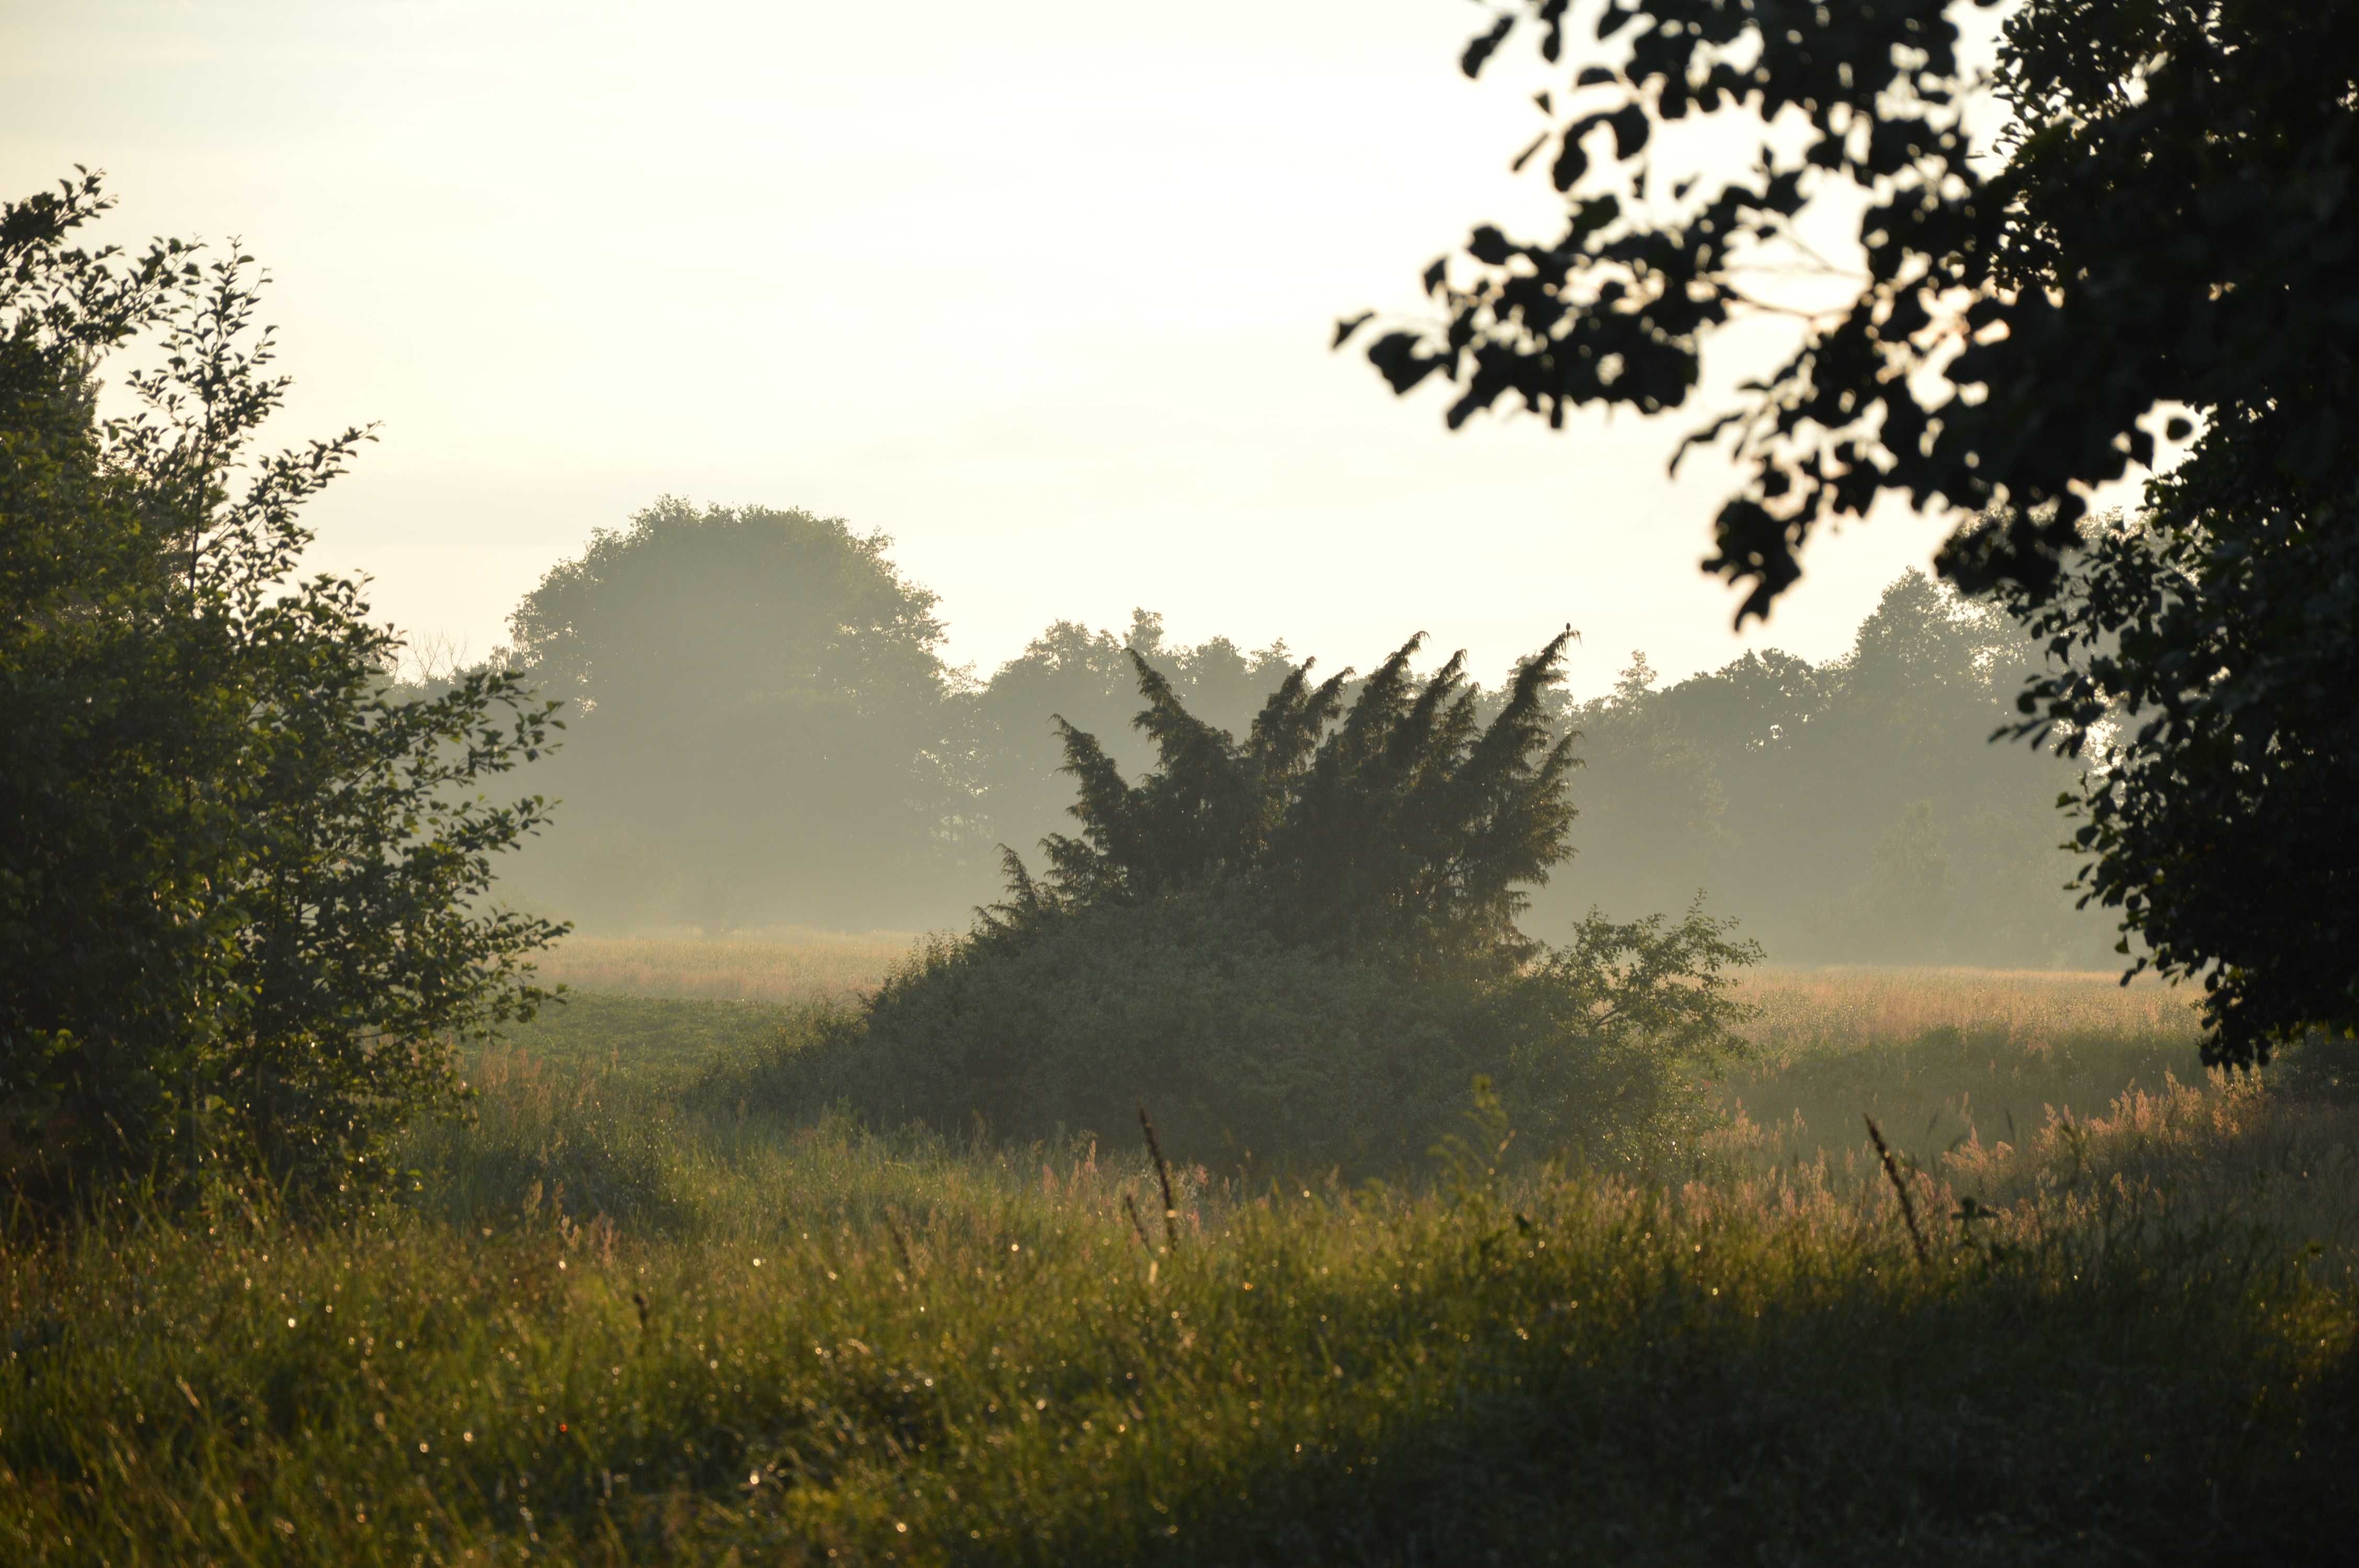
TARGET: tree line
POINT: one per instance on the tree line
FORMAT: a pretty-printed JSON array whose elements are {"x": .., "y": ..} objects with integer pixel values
[
  {"x": 762, "y": 729},
  {"x": 247, "y": 907}
]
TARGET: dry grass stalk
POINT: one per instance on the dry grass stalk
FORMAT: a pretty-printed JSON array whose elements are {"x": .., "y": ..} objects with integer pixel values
[
  {"x": 1163, "y": 1174},
  {"x": 900, "y": 1243},
  {"x": 1900, "y": 1190}
]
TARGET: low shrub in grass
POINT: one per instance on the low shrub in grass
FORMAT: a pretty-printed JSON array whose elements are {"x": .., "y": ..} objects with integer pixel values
[
  {"x": 1244, "y": 1046},
  {"x": 1185, "y": 1004},
  {"x": 1303, "y": 948}
]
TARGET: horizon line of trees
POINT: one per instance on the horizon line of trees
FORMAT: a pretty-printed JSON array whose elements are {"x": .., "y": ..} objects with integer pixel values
[{"x": 763, "y": 730}]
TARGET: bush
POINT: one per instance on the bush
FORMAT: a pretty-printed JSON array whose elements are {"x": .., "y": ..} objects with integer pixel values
[
  {"x": 1185, "y": 1005},
  {"x": 245, "y": 884},
  {"x": 1302, "y": 950}
]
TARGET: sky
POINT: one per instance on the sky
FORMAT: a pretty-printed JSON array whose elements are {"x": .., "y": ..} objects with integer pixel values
[{"x": 1042, "y": 289}]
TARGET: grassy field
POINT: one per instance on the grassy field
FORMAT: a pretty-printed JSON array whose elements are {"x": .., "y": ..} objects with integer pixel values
[
  {"x": 628, "y": 1315},
  {"x": 1943, "y": 1057},
  {"x": 1940, "y": 1056},
  {"x": 790, "y": 965}
]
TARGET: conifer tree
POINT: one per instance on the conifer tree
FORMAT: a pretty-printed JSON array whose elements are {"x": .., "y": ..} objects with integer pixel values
[
  {"x": 1304, "y": 944},
  {"x": 1409, "y": 826}
]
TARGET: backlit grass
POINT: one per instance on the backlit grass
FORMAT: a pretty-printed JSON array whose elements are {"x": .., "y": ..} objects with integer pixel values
[
  {"x": 791, "y": 965},
  {"x": 625, "y": 1319},
  {"x": 1943, "y": 1057}
]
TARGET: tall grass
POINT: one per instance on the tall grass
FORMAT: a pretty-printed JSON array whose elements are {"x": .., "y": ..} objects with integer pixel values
[
  {"x": 1844, "y": 1007},
  {"x": 625, "y": 1318},
  {"x": 1944, "y": 1057}
]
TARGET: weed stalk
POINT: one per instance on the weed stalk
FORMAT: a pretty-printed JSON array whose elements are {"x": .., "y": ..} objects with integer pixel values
[
  {"x": 1163, "y": 1174},
  {"x": 1899, "y": 1190}
]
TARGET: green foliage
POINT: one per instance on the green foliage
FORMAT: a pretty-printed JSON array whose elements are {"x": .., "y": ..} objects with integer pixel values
[
  {"x": 2203, "y": 649},
  {"x": 763, "y": 730},
  {"x": 2205, "y": 660},
  {"x": 1086, "y": 679},
  {"x": 1403, "y": 827},
  {"x": 1603, "y": 1044},
  {"x": 1302, "y": 947},
  {"x": 1240, "y": 1045},
  {"x": 243, "y": 882},
  {"x": 2170, "y": 226},
  {"x": 2171, "y": 233},
  {"x": 827, "y": 1342},
  {"x": 107, "y": 926}
]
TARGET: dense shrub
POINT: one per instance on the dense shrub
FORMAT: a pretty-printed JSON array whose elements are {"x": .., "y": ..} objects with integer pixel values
[
  {"x": 1302, "y": 948},
  {"x": 246, "y": 904},
  {"x": 1236, "y": 1041}
]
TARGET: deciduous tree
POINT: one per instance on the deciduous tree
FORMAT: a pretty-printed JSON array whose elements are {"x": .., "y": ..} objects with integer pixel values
[
  {"x": 762, "y": 712},
  {"x": 2161, "y": 241},
  {"x": 244, "y": 885}
]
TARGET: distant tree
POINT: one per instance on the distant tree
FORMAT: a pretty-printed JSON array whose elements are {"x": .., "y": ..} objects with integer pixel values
[
  {"x": 1905, "y": 905},
  {"x": 2165, "y": 223},
  {"x": 1929, "y": 675},
  {"x": 1656, "y": 804},
  {"x": 244, "y": 886},
  {"x": 763, "y": 717},
  {"x": 1964, "y": 866},
  {"x": 1792, "y": 790}
]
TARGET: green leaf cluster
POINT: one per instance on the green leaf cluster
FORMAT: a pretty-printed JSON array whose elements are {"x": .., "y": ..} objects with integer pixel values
[
  {"x": 2160, "y": 245},
  {"x": 2205, "y": 661},
  {"x": 1404, "y": 827},
  {"x": 243, "y": 882}
]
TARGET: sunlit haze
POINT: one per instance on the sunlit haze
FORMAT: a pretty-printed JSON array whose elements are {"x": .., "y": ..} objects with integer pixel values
[{"x": 1044, "y": 291}]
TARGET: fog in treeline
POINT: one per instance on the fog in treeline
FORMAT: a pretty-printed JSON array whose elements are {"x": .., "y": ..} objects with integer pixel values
[{"x": 762, "y": 731}]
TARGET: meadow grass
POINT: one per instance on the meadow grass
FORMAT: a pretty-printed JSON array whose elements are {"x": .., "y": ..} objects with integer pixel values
[
  {"x": 1943, "y": 1057},
  {"x": 626, "y": 1316},
  {"x": 793, "y": 964},
  {"x": 1853, "y": 1006}
]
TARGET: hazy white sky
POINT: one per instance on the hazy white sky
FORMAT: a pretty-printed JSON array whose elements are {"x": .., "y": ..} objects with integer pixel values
[{"x": 1043, "y": 289}]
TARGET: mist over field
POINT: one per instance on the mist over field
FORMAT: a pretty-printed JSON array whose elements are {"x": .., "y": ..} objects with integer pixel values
[
  {"x": 854, "y": 785},
  {"x": 762, "y": 731}
]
